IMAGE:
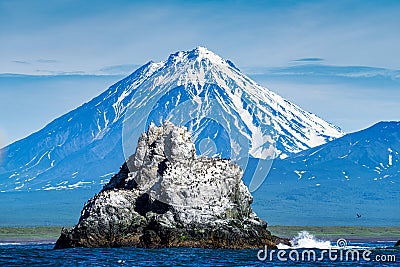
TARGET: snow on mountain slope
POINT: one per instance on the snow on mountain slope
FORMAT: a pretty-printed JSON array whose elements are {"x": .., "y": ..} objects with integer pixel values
[
  {"x": 227, "y": 113},
  {"x": 358, "y": 173},
  {"x": 371, "y": 154}
]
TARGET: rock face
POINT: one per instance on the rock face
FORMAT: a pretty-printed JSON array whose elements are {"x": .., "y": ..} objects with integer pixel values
[{"x": 165, "y": 196}]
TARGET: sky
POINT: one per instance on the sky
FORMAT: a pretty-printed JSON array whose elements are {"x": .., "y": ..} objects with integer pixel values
[{"x": 338, "y": 59}]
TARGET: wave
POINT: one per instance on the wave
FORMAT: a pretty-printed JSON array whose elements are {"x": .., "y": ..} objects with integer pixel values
[
  {"x": 24, "y": 243},
  {"x": 306, "y": 240},
  {"x": 10, "y": 244}
]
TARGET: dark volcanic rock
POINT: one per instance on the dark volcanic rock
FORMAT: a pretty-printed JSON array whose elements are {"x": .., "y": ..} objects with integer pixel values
[{"x": 165, "y": 196}]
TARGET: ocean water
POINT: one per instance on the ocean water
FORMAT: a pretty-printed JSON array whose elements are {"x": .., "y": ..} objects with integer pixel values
[{"x": 14, "y": 254}]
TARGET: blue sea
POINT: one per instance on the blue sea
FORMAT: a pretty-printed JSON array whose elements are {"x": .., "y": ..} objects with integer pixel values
[{"x": 15, "y": 254}]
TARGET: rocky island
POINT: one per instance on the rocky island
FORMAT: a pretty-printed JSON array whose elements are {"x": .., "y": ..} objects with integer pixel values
[{"x": 166, "y": 196}]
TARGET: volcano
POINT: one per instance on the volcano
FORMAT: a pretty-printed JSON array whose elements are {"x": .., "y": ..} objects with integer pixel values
[{"x": 228, "y": 115}]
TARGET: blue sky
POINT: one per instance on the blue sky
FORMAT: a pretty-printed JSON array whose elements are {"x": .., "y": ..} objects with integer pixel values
[{"x": 300, "y": 49}]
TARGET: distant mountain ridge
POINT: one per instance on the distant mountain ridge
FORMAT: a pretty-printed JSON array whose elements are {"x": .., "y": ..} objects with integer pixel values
[
  {"x": 83, "y": 147},
  {"x": 371, "y": 154},
  {"x": 358, "y": 173}
]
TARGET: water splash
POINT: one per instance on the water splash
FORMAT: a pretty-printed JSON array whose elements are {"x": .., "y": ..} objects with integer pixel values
[{"x": 306, "y": 240}]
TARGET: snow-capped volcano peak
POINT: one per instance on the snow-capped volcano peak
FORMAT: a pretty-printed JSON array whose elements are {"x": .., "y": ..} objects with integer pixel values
[
  {"x": 208, "y": 85},
  {"x": 196, "y": 55},
  {"x": 227, "y": 113}
]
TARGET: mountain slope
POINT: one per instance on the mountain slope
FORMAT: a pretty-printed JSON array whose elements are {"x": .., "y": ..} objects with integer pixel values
[
  {"x": 358, "y": 173},
  {"x": 368, "y": 155},
  {"x": 79, "y": 148},
  {"x": 228, "y": 114}
]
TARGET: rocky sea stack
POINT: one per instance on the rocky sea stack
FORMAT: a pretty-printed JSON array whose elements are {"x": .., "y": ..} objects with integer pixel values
[{"x": 166, "y": 196}]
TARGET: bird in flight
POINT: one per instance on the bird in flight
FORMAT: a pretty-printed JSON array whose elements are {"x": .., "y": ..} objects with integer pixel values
[{"x": 358, "y": 215}]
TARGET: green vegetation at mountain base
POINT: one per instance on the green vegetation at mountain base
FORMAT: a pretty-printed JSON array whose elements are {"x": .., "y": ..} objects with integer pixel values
[
  {"x": 39, "y": 232},
  {"x": 53, "y": 232}
]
